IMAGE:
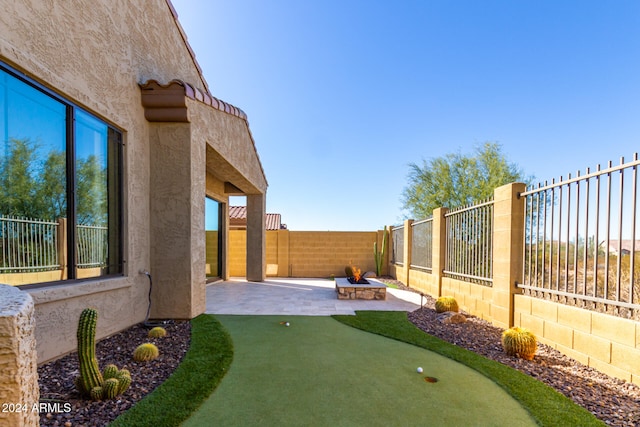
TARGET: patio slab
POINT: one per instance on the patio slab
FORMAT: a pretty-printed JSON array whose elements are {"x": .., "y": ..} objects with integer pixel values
[{"x": 294, "y": 296}]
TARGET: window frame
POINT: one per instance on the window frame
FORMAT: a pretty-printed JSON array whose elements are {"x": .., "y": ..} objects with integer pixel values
[{"x": 114, "y": 135}]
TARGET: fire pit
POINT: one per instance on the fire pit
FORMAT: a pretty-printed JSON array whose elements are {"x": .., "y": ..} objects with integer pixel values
[{"x": 371, "y": 290}]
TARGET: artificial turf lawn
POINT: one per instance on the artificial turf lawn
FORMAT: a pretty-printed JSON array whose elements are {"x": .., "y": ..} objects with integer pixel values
[
  {"x": 321, "y": 372},
  {"x": 211, "y": 352},
  {"x": 546, "y": 405}
]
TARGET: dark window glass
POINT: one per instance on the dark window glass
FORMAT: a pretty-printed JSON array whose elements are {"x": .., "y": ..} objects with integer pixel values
[{"x": 60, "y": 188}]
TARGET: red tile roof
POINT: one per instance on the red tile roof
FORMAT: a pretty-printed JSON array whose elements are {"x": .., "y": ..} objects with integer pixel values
[{"x": 238, "y": 217}]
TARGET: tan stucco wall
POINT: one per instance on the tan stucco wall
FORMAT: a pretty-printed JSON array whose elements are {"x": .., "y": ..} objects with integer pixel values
[
  {"x": 177, "y": 222},
  {"x": 95, "y": 53}
]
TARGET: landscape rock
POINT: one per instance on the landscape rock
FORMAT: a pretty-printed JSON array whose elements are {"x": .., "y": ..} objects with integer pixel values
[{"x": 449, "y": 317}]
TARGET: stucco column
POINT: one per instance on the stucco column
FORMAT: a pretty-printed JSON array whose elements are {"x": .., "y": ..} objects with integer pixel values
[
  {"x": 508, "y": 234},
  {"x": 256, "y": 237},
  {"x": 18, "y": 358},
  {"x": 438, "y": 246},
  {"x": 177, "y": 193}
]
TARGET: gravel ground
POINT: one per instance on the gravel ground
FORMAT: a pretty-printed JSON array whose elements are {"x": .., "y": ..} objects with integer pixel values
[
  {"x": 56, "y": 378},
  {"x": 615, "y": 402}
]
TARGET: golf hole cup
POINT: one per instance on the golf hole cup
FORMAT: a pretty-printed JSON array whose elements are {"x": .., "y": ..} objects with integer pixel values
[{"x": 419, "y": 370}]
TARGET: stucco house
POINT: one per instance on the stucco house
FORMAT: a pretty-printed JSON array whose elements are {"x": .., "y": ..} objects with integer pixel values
[{"x": 107, "y": 101}]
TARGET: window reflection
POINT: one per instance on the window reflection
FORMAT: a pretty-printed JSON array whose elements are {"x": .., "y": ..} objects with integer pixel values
[{"x": 42, "y": 231}]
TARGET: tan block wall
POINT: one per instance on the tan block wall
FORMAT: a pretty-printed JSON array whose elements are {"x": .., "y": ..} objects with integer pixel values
[
  {"x": 323, "y": 253},
  {"x": 19, "y": 383},
  {"x": 307, "y": 253},
  {"x": 473, "y": 298},
  {"x": 607, "y": 343},
  {"x": 238, "y": 253},
  {"x": 424, "y": 282}
]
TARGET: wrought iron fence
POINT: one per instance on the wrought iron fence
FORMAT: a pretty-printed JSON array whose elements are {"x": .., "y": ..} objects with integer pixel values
[
  {"x": 469, "y": 240},
  {"x": 91, "y": 242},
  {"x": 31, "y": 245},
  {"x": 397, "y": 245},
  {"x": 422, "y": 244},
  {"x": 28, "y": 245},
  {"x": 581, "y": 239}
]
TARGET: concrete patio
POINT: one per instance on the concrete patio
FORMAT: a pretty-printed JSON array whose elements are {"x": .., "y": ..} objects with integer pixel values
[{"x": 299, "y": 296}]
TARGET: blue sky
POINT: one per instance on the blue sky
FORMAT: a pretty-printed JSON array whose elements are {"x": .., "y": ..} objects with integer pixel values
[{"x": 343, "y": 95}]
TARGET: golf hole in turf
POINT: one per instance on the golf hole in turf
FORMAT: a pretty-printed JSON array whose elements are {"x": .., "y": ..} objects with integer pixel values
[{"x": 431, "y": 379}]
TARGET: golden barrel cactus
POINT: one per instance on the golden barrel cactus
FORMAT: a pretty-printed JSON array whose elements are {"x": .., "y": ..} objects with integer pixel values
[
  {"x": 444, "y": 304},
  {"x": 157, "y": 332},
  {"x": 145, "y": 352},
  {"x": 519, "y": 342}
]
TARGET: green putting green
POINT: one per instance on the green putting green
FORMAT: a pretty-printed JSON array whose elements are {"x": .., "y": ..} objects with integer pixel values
[{"x": 320, "y": 372}]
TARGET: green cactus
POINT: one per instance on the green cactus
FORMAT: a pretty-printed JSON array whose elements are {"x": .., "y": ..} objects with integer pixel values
[
  {"x": 96, "y": 393},
  {"x": 379, "y": 256},
  {"x": 157, "y": 332},
  {"x": 145, "y": 352},
  {"x": 90, "y": 376},
  {"x": 92, "y": 382},
  {"x": 446, "y": 304},
  {"x": 124, "y": 381},
  {"x": 110, "y": 388},
  {"x": 519, "y": 342},
  {"x": 109, "y": 371}
]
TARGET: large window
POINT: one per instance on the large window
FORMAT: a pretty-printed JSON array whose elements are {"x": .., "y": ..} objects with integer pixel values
[{"x": 60, "y": 188}]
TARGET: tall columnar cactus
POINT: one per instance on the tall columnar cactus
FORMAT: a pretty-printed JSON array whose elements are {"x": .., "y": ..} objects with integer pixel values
[
  {"x": 519, "y": 342},
  {"x": 379, "y": 256},
  {"x": 90, "y": 375},
  {"x": 91, "y": 382}
]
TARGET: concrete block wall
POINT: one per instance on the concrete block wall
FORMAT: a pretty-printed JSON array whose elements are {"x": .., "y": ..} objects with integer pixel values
[
  {"x": 323, "y": 253},
  {"x": 237, "y": 253},
  {"x": 473, "y": 298},
  {"x": 607, "y": 343},
  {"x": 308, "y": 253}
]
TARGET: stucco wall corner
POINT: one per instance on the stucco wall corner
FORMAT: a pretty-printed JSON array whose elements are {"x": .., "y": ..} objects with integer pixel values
[{"x": 19, "y": 374}]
